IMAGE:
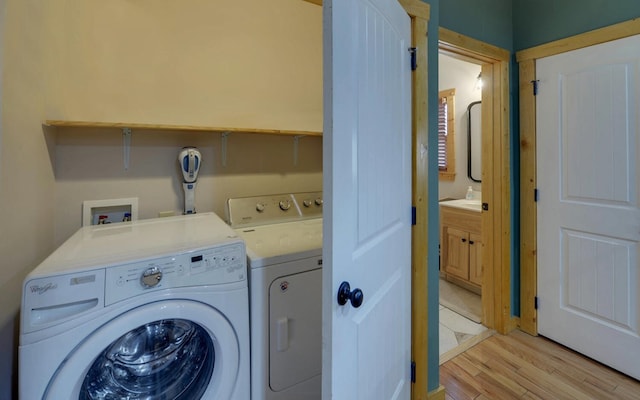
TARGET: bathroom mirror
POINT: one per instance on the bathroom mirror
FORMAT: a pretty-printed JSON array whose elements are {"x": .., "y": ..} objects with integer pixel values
[{"x": 474, "y": 141}]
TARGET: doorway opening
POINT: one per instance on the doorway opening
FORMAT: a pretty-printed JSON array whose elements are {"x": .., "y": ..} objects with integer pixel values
[
  {"x": 459, "y": 170},
  {"x": 491, "y": 256}
]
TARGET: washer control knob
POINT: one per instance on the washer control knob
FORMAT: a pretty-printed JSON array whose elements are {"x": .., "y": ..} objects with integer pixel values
[
  {"x": 307, "y": 203},
  {"x": 260, "y": 207},
  {"x": 285, "y": 205},
  {"x": 151, "y": 277},
  {"x": 319, "y": 201}
]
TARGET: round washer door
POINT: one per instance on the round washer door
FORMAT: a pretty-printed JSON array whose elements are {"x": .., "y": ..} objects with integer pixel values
[{"x": 172, "y": 349}]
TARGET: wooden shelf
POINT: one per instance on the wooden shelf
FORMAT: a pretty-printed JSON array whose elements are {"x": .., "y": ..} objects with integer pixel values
[{"x": 185, "y": 128}]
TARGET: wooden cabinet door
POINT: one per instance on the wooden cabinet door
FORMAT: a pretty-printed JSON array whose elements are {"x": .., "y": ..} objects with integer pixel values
[
  {"x": 457, "y": 253},
  {"x": 475, "y": 259}
]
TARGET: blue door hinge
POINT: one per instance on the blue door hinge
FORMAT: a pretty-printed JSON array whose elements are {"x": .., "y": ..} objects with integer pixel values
[
  {"x": 535, "y": 195},
  {"x": 414, "y": 61},
  {"x": 535, "y": 302},
  {"x": 413, "y": 372},
  {"x": 413, "y": 215}
]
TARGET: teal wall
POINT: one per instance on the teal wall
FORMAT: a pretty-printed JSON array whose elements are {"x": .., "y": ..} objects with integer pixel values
[
  {"x": 540, "y": 21},
  {"x": 486, "y": 20},
  {"x": 512, "y": 25},
  {"x": 489, "y": 21},
  {"x": 432, "y": 201}
]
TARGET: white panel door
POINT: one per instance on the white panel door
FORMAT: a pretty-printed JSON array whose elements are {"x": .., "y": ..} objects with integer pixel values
[
  {"x": 367, "y": 191},
  {"x": 588, "y": 113}
]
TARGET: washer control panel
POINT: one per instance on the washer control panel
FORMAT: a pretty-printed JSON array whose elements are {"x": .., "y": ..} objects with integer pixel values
[
  {"x": 151, "y": 277},
  {"x": 211, "y": 266}
]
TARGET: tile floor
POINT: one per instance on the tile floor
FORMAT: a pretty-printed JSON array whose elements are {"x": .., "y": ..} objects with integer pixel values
[{"x": 456, "y": 329}]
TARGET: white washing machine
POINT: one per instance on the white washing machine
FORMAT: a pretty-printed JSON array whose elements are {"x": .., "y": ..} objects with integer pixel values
[
  {"x": 150, "y": 309},
  {"x": 283, "y": 234}
]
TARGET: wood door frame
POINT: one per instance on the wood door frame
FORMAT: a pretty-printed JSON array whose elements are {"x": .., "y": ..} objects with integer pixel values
[
  {"x": 420, "y": 13},
  {"x": 528, "y": 213},
  {"x": 496, "y": 184}
]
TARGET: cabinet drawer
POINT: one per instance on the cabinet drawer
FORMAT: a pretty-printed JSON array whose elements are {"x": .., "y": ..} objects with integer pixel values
[{"x": 462, "y": 219}]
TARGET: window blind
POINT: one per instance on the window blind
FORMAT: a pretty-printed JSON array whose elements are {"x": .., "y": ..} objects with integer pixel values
[{"x": 442, "y": 133}]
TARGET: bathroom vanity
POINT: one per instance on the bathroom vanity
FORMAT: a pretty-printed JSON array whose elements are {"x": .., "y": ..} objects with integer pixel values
[{"x": 460, "y": 243}]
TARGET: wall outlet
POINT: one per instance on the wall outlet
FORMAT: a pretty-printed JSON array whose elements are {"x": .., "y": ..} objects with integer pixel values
[{"x": 110, "y": 210}]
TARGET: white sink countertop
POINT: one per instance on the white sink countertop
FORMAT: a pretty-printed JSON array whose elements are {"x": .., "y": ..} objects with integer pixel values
[{"x": 472, "y": 205}]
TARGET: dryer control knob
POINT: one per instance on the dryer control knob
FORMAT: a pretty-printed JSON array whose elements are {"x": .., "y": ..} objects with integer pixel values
[
  {"x": 307, "y": 203},
  {"x": 151, "y": 277},
  {"x": 260, "y": 207},
  {"x": 319, "y": 201},
  {"x": 285, "y": 205}
]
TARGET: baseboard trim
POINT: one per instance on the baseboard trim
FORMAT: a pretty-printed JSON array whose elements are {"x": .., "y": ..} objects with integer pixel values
[{"x": 437, "y": 394}]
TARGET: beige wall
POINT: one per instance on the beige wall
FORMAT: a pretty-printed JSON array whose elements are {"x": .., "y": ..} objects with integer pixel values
[
  {"x": 90, "y": 166},
  {"x": 26, "y": 175},
  {"x": 461, "y": 76},
  {"x": 248, "y": 63},
  {"x": 236, "y": 63}
]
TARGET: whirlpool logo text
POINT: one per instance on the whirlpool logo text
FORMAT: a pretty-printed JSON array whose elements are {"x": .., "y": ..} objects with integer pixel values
[{"x": 43, "y": 289}]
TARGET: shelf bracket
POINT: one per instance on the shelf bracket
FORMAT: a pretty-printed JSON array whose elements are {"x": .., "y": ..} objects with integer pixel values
[
  {"x": 126, "y": 146},
  {"x": 296, "y": 141},
  {"x": 224, "y": 137}
]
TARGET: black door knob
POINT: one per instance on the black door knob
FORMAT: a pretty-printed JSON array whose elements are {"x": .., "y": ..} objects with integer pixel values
[{"x": 345, "y": 294}]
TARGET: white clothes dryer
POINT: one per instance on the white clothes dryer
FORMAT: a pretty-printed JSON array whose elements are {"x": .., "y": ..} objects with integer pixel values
[
  {"x": 283, "y": 235},
  {"x": 150, "y": 309}
]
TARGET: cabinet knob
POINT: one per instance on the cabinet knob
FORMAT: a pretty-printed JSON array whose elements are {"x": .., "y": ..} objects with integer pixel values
[
  {"x": 470, "y": 241},
  {"x": 464, "y": 240}
]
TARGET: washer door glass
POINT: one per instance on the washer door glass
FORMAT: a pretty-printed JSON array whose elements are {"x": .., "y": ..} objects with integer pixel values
[{"x": 161, "y": 360}]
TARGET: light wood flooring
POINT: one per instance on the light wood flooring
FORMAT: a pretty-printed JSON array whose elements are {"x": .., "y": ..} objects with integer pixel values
[{"x": 520, "y": 366}]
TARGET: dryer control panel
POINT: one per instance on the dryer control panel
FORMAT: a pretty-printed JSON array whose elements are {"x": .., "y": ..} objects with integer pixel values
[
  {"x": 273, "y": 209},
  {"x": 211, "y": 266}
]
